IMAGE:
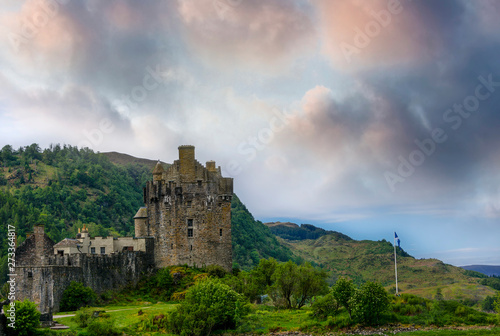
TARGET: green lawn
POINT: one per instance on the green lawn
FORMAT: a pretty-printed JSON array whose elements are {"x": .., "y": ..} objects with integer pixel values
[{"x": 124, "y": 316}]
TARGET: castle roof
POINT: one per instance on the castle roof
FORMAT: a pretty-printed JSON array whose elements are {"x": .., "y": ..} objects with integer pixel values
[
  {"x": 158, "y": 168},
  {"x": 142, "y": 213},
  {"x": 67, "y": 242}
]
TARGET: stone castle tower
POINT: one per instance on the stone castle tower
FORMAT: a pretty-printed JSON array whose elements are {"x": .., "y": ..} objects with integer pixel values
[{"x": 188, "y": 212}]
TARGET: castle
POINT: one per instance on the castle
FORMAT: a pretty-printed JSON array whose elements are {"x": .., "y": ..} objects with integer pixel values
[{"x": 186, "y": 220}]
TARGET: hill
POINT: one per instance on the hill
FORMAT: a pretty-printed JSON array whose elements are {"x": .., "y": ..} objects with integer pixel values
[
  {"x": 125, "y": 159},
  {"x": 367, "y": 260},
  {"x": 292, "y": 231},
  {"x": 485, "y": 269}
]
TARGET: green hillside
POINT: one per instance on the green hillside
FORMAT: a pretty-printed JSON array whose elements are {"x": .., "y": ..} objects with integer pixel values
[
  {"x": 374, "y": 261},
  {"x": 64, "y": 187}
]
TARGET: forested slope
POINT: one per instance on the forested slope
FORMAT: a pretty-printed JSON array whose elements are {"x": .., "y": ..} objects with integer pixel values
[{"x": 64, "y": 187}]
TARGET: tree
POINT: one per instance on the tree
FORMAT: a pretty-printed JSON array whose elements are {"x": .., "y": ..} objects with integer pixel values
[
  {"x": 263, "y": 273},
  {"x": 76, "y": 295},
  {"x": 285, "y": 283},
  {"x": 27, "y": 319},
  {"x": 343, "y": 291},
  {"x": 311, "y": 282},
  {"x": 370, "y": 301},
  {"x": 209, "y": 305}
]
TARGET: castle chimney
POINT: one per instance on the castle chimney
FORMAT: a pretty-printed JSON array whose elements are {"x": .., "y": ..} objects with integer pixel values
[{"x": 187, "y": 162}]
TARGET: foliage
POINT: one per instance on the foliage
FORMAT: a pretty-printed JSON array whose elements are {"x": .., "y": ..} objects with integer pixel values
[
  {"x": 295, "y": 285},
  {"x": 102, "y": 327},
  {"x": 310, "y": 282},
  {"x": 324, "y": 306},
  {"x": 488, "y": 303},
  {"x": 343, "y": 292},
  {"x": 252, "y": 240},
  {"x": 285, "y": 284},
  {"x": 492, "y": 282},
  {"x": 27, "y": 319},
  {"x": 370, "y": 302},
  {"x": 76, "y": 295},
  {"x": 216, "y": 271},
  {"x": 209, "y": 305},
  {"x": 83, "y": 317}
]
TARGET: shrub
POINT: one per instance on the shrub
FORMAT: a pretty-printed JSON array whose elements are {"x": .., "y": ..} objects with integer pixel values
[
  {"x": 209, "y": 305},
  {"x": 216, "y": 271},
  {"x": 83, "y": 317},
  {"x": 324, "y": 306},
  {"x": 76, "y": 295},
  {"x": 27, "y": 319},
  {"x": 102, "y": 327},
  {"x": 370, "y": 302}
]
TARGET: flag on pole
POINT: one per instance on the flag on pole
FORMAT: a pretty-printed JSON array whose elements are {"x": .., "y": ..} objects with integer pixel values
[{"x": 397, "y": 239}]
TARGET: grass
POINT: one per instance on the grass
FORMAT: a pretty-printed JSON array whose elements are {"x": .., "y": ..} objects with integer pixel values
[
  {"x": 125, "y": 317},
  {"x": 263, "y": 320},
  {"x": 454, "y": 332}
]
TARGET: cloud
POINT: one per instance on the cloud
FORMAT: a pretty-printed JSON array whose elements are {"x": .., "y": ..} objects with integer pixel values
[
  {"x": 249, "y": 33},
  {"x": 358, "y": 35}
]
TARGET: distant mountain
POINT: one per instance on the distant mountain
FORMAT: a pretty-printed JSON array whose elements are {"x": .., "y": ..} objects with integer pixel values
[
  {"x": 292, "y": 231},
  {"x": 485, "y": 269},
  {"x": 125, "y": 159}
]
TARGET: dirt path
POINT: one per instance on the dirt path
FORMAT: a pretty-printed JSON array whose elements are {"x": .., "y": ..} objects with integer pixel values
[{"x": 108, "y": 311}]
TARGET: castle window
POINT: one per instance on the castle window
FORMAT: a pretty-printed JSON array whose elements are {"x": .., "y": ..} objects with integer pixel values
[
  {"x": 92, "y": 250},
  {"x": 188, "y": 204},
  {"x": 103, "y": 250},
  {"x": 191, "y": 247},
  {"x": 30, "y": 274},
  {"x": 171, "y": 246},
  {"x": 190, "y": 233},
  {"x": 60, "y": 252},
  {"x": 220, "y": 232},
  {"x": 199, "y": 183},
  {"x": 190, "y": 223}
]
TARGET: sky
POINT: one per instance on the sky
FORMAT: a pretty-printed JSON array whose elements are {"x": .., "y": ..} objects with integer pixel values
[{"x": 364, "y": 117}]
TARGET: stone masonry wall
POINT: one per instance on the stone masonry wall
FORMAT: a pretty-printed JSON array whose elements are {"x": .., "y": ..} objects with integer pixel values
[{"x": 45, "y": 284}]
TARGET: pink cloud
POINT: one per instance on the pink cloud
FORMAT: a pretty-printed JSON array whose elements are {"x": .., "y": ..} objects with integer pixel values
[
  {"x": 255, "y": 32},
  {"x": 360, "y": 34}
]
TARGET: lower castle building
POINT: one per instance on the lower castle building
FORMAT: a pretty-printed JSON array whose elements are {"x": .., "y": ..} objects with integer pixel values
[{"x": 186, "y": 220}]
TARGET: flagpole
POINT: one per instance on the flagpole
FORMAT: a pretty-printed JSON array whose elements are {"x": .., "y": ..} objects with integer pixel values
[{"x": 395, "y": 264}]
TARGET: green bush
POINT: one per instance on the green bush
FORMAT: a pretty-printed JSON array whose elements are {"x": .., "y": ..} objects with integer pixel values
[
  {"x": 102, "y": 327},
  {"x": 370, "y": 302},
  {"x": 76, "y": 295},
  {"x": 27, "y": 319},
  {"x": 216, "y": 271},
  {"x": 209, "y": 305},
  {"x": 324, "y": 306},
  {"x": 83, "y": 317}
]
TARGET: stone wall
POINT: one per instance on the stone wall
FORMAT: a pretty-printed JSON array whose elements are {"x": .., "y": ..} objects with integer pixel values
[{"x": 44, "y": 283}]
